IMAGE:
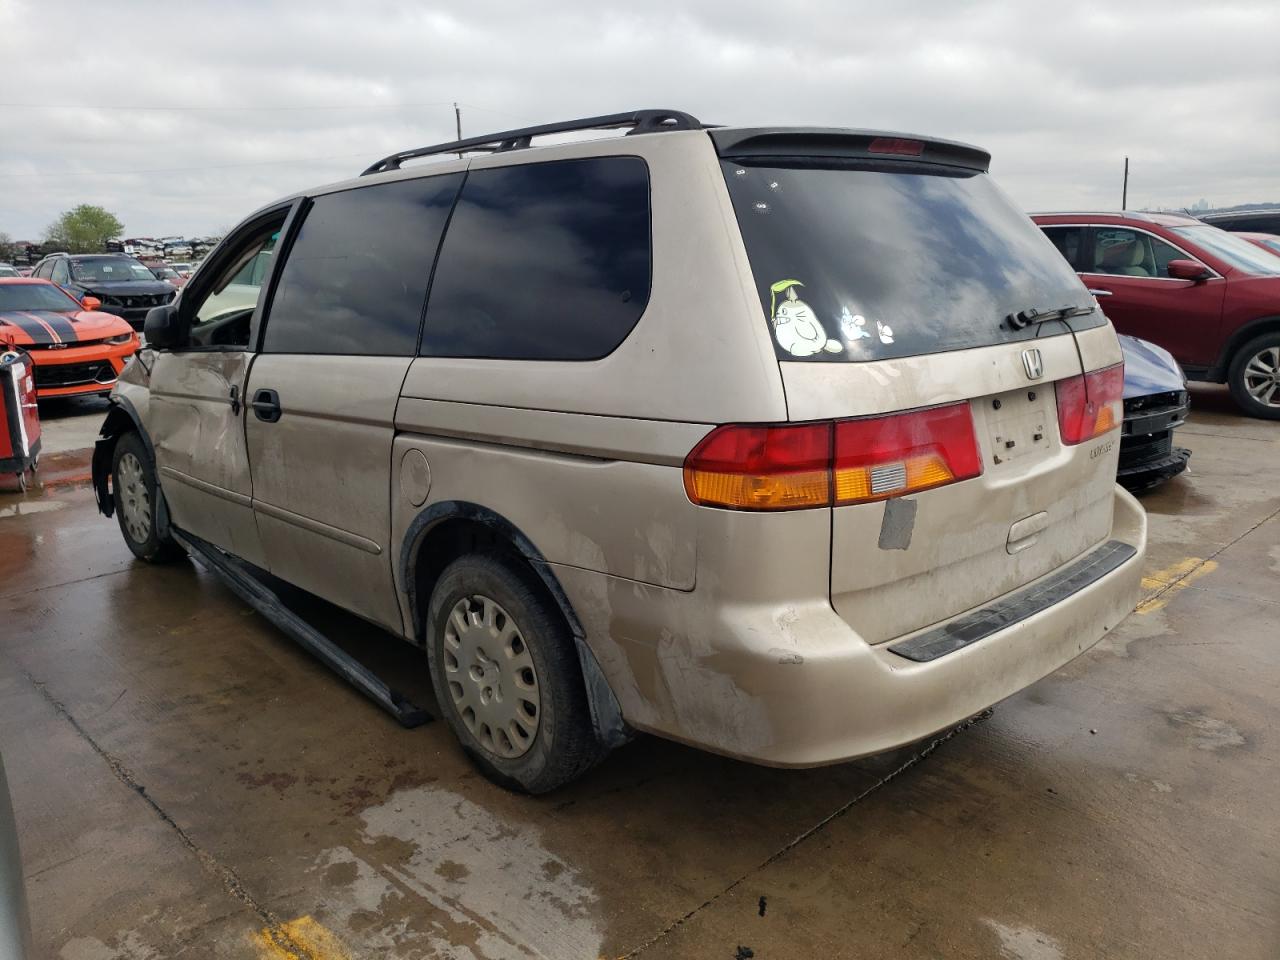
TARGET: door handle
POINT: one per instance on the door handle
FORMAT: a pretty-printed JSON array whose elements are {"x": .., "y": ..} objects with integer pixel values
[
  {"x": 235, "y": 400},
  {"x": 1098, "y": 292},
  {"x": 266, "y": 405}
]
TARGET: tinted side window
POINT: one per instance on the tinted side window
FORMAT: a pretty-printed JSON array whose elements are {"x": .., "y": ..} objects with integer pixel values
[
  {"x": 60, "y": 272},
  {"x": 545, "y": 261},
  {"x": 1068, "y": 242},
  {"x": 355, "y": 279}
]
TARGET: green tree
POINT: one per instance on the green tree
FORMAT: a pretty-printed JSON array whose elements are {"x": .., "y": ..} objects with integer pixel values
[
  {"x": 6, "y": 247},
  {"x": 86, "y": 229}
]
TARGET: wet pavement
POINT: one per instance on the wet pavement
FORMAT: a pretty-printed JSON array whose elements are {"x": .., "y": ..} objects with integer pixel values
[{"x": 190, "y": 784}]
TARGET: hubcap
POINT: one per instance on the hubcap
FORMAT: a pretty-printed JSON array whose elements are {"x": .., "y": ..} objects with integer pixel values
[
  {"x": 491, "y": 676},
  {"x": 135, "y": 502},
  {"x": 1262, "y": 376}
]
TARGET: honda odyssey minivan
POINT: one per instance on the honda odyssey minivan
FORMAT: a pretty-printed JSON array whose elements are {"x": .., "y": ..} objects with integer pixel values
[{"x": 793, "y": 444}]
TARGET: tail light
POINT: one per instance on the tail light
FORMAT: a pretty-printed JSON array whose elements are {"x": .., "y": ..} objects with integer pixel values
[
  {"x": 881, "y": 457},
  {"x": 796, "y": 466},
  {"x": 1091, "y": 404},
  {"x": 761, "y": 468},
  {"x": 896, "y": 145}
]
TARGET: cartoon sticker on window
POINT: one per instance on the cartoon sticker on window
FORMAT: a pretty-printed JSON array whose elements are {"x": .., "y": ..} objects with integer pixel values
[
  {"x": 885, "y": 331},
  {"x": 795, "y": 325},
  {"x": 854, "y": 327}
]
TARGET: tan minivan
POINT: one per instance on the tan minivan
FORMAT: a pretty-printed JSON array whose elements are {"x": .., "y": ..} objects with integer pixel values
[{"x": 794, "y": 444}]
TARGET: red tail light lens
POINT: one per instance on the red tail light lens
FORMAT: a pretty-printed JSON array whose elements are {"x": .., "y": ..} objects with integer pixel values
[
  {"x": 897, "y": 146},
  {"x": 1090, "y": 405},
  {"x": 820, "y": 464},
  {"x": 761, "y": 468},
  {"x": 881, "y": 457}
]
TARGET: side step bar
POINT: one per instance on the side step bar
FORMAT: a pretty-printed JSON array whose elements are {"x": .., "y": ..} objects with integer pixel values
[{"x": 237, "y": 575}]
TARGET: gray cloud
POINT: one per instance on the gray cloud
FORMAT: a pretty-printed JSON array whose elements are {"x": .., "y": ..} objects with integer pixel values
[{"x": 1059, "y": 93}]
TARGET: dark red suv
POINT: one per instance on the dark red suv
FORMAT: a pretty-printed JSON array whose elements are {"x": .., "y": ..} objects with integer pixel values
[{"x": 1209, "y": 297}]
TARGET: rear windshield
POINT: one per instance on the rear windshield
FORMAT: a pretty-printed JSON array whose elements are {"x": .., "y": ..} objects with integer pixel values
[{"x": 871, "y": 262}]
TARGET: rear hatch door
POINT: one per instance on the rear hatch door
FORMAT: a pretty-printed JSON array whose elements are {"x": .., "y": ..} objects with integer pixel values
[{"x": 895, "y": 276}]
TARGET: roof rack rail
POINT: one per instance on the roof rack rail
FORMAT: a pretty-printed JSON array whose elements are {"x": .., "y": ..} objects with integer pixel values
[{"x": 640, "y": 121}]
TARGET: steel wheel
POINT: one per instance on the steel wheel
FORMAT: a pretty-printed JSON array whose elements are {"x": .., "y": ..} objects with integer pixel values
[
  {"x": 1262, "y": 376},
  {"x": 491, "y": 677},
  {"x": 135, "y": 501}
]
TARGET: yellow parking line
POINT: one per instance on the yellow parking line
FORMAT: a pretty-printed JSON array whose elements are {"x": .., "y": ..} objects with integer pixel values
[
  {"x": 1163, "y": 584},
  {"x": 300, "y": 939}
]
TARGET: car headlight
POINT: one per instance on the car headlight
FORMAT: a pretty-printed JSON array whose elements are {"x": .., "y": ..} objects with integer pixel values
[{"x": 122, "y": 338}]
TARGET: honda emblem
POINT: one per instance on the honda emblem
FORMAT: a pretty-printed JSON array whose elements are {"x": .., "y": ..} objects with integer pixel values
[{"x": 1033, "y": 364}]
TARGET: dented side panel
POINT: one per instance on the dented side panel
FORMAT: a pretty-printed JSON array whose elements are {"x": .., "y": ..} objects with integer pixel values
[{"x": 201, "y": 459}]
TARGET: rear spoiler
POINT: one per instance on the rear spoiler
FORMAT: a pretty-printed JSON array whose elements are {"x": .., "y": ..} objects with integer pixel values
[{"x": 833, "y": 142}]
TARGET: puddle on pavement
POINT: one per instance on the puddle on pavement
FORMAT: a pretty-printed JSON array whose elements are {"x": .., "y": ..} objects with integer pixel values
[{"x": 442, "y": 872}]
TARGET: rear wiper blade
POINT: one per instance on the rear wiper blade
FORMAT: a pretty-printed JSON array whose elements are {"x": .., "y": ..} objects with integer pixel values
[{"x": 1025, "y": 318}]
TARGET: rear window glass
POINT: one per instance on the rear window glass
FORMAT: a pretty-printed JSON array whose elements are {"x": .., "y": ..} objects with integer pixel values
[
  {"x": 546, "y": 261},
  {"x": 355, "y": 279},
  {"x": 866, "y": 262}
]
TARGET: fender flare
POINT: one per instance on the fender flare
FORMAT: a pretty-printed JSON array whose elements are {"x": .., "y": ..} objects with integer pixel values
[
  {"x": 606, "y": 714},
  {"x": 121, "y": 418}
]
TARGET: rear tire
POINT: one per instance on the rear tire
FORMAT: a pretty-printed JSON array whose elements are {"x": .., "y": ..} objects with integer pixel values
[
  {"x": 133, "y": 487},
  {"x": 1254, "y": 377},
  {"x": 506, "y": 676}
]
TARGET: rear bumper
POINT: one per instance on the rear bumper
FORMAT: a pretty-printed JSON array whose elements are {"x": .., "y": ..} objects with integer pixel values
[{"x": 795, "y": 686}]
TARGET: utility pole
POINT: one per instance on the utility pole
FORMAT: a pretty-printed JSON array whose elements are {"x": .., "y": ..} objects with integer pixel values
[
  {"x": 1124, "y": 194},
  {"x": 457, "y": 122}
]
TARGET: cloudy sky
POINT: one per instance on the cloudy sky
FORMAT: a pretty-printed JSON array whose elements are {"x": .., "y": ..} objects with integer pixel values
[{"x": 182, "y": 117}]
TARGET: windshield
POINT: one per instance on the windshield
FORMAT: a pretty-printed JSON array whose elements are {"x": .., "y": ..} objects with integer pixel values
[
  {"x": 1236, "y": 251},
  {"x": 869, "y": 262},
  {"x": 108, "y": 270},
  {"x": 8, "y": 271},
  {"x": 35, "y": 296},
  {"x": 166, "y": 273}
]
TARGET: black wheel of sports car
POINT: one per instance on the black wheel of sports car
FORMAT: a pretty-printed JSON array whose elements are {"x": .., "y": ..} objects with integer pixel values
[
  {"x": 1254, "y": 377},
  {"x": 133, "y": 483}
]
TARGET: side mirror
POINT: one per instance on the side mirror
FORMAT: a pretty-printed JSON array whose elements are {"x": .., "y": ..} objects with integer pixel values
[
  {"x": 1188, "y": 270},
  {"x": 91, "y": 303},
  {"x": 164, "y": 329}
]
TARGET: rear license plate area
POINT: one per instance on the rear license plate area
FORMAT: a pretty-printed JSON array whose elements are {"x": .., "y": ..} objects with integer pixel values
[{"x": 1018, "y": 423}]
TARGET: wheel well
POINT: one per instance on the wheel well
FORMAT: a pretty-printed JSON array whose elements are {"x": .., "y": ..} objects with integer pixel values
[
  {"x": 447, "y": 530},
  {"x": 445, "y": 543},
  {"x": 1242, "y": 336},
  {"x": 118, "y": 423}
]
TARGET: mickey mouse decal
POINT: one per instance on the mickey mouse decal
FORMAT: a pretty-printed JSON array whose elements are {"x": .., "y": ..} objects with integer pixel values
[{"x": 795, "y": 325}]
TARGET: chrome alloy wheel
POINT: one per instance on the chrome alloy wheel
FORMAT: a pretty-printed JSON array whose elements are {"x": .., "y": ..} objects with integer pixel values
[
  {"x": 135, "y": 502},
  {"x": 491, "y": 676},
  {"x": 1262, "y": 376}
]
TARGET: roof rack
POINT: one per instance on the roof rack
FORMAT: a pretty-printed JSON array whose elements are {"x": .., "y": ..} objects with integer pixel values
[{"x": 640, "y": 121}]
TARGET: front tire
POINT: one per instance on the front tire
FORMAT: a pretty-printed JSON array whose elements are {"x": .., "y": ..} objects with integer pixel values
[
  {"x": 506, "y": 676},
  {"x": 133, "y": 487},
  {"x": 1254, "y": 377}
]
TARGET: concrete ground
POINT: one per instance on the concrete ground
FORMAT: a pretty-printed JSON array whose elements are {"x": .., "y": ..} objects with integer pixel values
[{"x": 189, "y": 784}]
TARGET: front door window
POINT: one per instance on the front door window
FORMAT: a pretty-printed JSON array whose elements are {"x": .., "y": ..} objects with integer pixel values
[{"x": 221, "y": 313}]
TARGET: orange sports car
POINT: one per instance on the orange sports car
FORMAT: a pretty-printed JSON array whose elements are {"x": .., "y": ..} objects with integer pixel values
[{"x": 77, "y": 350}]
